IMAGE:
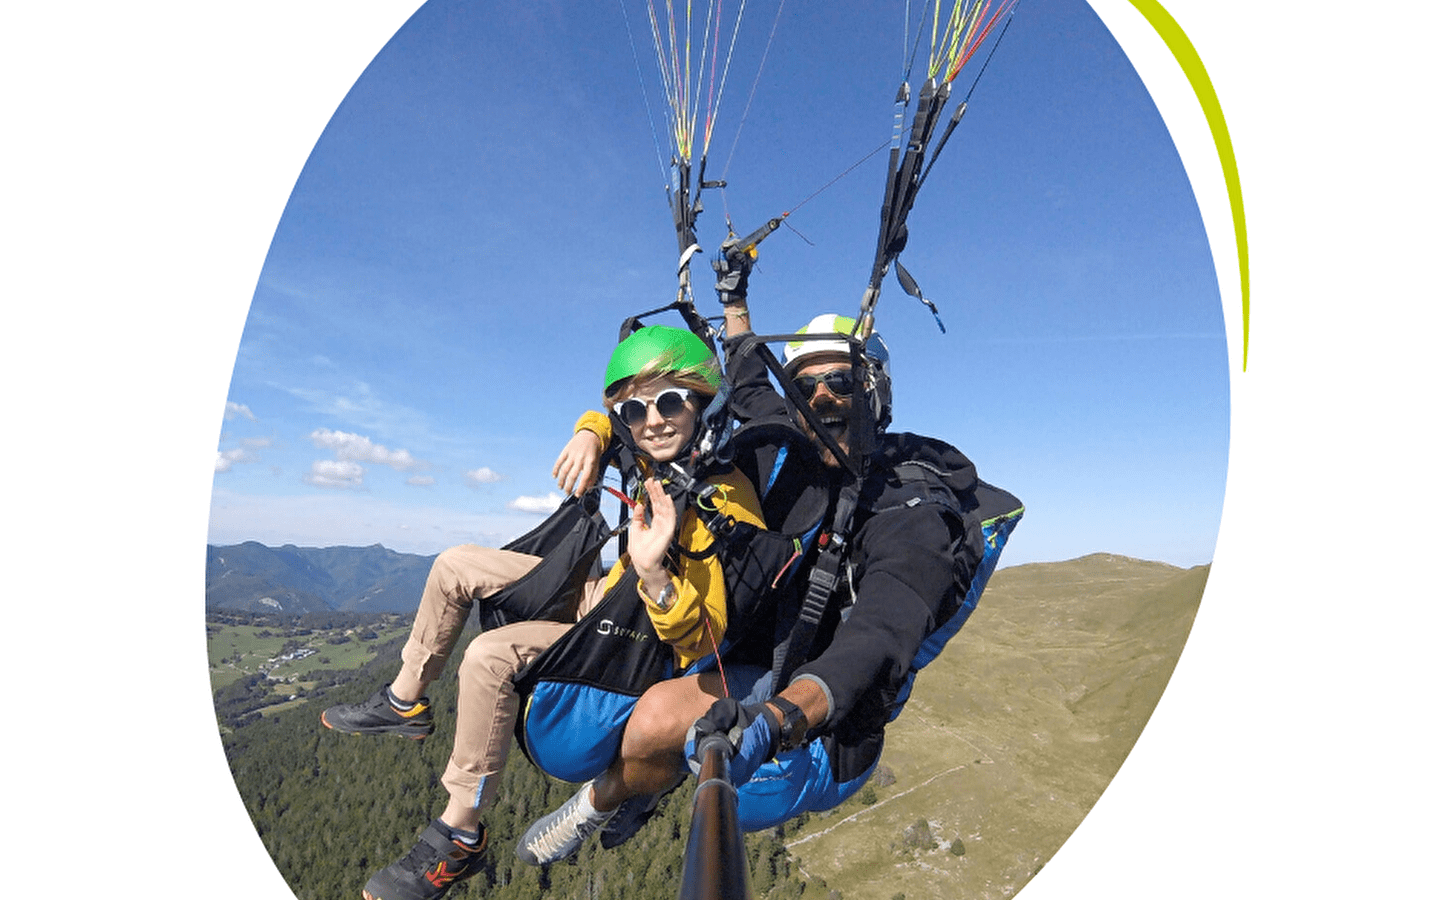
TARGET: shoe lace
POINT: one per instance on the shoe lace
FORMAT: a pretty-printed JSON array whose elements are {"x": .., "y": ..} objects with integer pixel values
[{"x": 566, "y": 823}]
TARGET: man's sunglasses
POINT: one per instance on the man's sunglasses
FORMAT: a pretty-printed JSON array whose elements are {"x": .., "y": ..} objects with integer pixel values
[
  {"x": 668, "y": 403},
  {"x": 840, "y": 382}
]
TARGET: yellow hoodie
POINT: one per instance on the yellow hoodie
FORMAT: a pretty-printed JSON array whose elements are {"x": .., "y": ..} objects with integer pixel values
[{"x": 700, "y": 582}]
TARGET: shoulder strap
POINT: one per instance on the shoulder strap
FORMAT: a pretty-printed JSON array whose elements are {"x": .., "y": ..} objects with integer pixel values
[
  {"x": 924, "y": 484},
  {"x": 819, "y": 590},
  {"x": 690, "y": 491}
]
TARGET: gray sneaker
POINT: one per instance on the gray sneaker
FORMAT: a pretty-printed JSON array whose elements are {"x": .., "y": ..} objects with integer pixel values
[
  {"x": 559, "y": 835},
  {"x": 629, "y": 817},
  {"x": 378, "y": 716}
]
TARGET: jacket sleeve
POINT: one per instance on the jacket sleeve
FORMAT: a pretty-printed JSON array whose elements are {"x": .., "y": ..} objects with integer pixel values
[
  {"x": 904, "y": 577},
  {"x": 752, "y": 395},
  {"x": 597, "y": 422},
  {"x": 701, "y": 582}
]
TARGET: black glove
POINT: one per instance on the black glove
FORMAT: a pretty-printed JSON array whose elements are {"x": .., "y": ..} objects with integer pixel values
[
  {"x": 752, "y": 731},
  {"x": 732, "y": 272}
]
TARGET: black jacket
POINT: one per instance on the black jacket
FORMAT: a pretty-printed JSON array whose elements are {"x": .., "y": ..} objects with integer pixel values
[{"x": 914, "y": 546}]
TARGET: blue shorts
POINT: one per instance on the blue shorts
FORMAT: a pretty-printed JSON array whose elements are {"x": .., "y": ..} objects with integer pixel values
[{"x": 792, "y": 783}]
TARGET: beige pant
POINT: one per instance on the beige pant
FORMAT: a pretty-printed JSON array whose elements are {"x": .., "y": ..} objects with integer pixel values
[{"x": 487, "y": 703}]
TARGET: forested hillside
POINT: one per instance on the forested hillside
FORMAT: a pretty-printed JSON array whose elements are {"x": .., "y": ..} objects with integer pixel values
[
  {"x": 332, "y": 808},
  {"x": 1009, "y": 739}
]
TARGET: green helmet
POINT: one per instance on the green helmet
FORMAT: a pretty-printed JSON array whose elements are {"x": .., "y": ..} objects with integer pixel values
[{"x": 662, "y": 350}]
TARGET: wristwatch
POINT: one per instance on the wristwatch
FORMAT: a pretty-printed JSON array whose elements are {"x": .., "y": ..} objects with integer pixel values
[
  {"x": 795, "y": 725},
  {"x": 666, "y": 598}
]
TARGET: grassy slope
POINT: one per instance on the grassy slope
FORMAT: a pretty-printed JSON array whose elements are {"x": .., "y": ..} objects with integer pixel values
[{"x": 1013, "y": 732}]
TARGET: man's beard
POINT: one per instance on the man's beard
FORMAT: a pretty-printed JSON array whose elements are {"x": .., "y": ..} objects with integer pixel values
[{"x": 834, "y": 416}]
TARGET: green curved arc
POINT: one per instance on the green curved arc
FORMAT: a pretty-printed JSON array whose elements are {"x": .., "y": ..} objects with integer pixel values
[{"x": 1185, "y": 54}]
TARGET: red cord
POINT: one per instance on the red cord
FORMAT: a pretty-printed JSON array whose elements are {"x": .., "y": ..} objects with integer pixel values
[{"x": 724, "y": 682}]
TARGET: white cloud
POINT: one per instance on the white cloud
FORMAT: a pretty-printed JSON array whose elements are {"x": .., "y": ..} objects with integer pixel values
[
  {"x": 226, "y": 459},
  {"x": 482, "y": 475},
  {"x": 235, "y": 410},
  {"x": 357, "y": 447},
  {"x": 335, "y": 473},
  {"x": 420, "y": 480},
  {"x": 547, "y": 504},
  {"x": 359, "y": 405}
]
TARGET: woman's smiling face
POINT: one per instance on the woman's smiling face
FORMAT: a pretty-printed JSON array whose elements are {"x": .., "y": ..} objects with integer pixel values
[{"x": 656, "y": 435}]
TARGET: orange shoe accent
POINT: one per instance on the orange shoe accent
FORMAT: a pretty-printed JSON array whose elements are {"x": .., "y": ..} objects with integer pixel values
[{"x": 442, "y": 875}]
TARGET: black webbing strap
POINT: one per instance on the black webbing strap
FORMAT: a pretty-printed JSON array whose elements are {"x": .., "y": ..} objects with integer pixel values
[
  {"x": 819, "y": 592},
  {"x": 688, "y": 491}
]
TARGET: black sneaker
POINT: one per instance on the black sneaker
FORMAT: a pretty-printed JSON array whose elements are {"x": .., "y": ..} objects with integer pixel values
[
  {"x": 629, "y": 818},
  {"x": 428, "y": 870},
  {"x": 378, "y": 716}
]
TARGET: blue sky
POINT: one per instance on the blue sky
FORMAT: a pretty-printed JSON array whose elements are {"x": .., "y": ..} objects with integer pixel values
[{"x": 487, "y": 203}]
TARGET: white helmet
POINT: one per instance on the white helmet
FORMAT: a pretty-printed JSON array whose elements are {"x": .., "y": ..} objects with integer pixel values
[{"x": 876, "y": 358}]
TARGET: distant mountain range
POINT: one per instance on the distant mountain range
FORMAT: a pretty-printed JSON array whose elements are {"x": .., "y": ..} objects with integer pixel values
[{"x": 254, "y": 578}]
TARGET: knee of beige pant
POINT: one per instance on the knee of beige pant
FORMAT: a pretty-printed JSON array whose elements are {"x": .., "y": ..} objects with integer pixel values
[
  {"x": 445, "y": 573},
  {"x": 474, "y": 571},
  {"x": 490, "y": 658},
  {"x": 494, "y": 656}
]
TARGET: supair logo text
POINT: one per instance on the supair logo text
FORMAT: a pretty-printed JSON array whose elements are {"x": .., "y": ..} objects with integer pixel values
[{"x": 607, "y": 627}]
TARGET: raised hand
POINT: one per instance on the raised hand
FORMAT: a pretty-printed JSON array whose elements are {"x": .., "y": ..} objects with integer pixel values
[{"x": 650, "y": 540}]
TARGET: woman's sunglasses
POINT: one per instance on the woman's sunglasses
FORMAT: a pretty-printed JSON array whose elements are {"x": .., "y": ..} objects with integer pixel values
[
  {"x": 668, "y": 403},
  {"x": 840, "y": 382}
]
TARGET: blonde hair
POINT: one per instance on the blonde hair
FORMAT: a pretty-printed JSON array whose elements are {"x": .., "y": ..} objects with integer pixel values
[{"x": 699, "y": 378}]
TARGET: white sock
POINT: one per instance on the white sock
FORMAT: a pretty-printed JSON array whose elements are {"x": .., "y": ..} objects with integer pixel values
[{"x": 587, "y": 807}]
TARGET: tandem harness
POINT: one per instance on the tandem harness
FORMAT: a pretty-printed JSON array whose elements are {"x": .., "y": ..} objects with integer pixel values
[
  {"x": 905, "y": 484},
  {"x": 838, "y": 760},
  {"x": 578, "y": 693}
]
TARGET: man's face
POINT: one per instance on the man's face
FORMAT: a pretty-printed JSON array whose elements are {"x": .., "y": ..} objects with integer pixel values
[{"x": 833, "y": 410}]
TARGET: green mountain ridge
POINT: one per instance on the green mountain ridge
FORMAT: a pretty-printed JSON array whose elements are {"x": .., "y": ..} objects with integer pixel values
[{"x": 252, "y": 577}]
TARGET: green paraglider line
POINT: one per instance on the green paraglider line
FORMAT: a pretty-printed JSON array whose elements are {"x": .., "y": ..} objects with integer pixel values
[{"x": 1185, "y": 54}]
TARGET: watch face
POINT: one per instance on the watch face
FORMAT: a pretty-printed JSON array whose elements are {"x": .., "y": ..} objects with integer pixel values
[{"x": 793, "y": 727}]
